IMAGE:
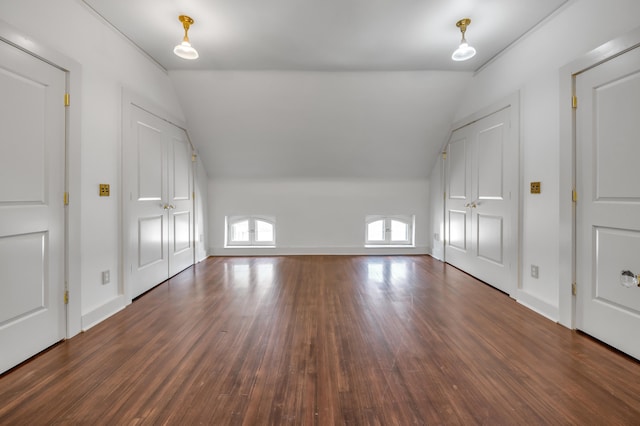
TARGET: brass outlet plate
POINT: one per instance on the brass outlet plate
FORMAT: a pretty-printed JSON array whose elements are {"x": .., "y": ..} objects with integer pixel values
[
  {"x": 535, "y": 187},
  {"x": 104, "y": 190}
]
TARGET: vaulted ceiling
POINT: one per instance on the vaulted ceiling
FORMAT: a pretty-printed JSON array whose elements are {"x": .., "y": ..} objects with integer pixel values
[{"x": 321, "y": 88}]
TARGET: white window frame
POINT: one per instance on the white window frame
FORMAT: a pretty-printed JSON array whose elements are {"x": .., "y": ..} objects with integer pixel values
[
  {"x": 408, "y": 220},
  {"x": 231, "y": 220}
]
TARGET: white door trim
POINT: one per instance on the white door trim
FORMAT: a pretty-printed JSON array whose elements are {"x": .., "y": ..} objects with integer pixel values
[
  {"x": 567, "y": 232},
  {"x": 72, "y": 236}
]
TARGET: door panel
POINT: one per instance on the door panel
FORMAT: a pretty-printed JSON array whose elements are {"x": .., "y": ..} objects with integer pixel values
[
  {"x": 147, "y": 171},
  {"x": 458, "y": 230},
  {"x": 481, "y": 212},
  {"x": 181, "y": 227},
  {"x": 32, "y": 161},
  {"x": 458, "y": 197},
  {"x": 617, "y": 125},
  {"x": 608, "y": 211},
  {"x": 181, "y": 152},
  {"x": 490, "y": 238},
  {"x": 457, "y": 162},
  {"x": 615, "y": 249},
  {"x": 22, "y": 262},
  {"x": 181, "y": 216},
  {"x": 150, "y": 240},
  {"x": 490, "y": 163},
  {"x": 25, "y": 120},
  {"x": 151, "y": 163}
]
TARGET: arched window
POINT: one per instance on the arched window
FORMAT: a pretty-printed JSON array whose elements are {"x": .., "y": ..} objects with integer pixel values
[
  {"x": 250, "y": 231},
  {"x": 389, "y": 230}
]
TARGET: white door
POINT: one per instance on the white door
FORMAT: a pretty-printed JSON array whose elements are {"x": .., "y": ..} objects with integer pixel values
[
  {"x": 608, "y": 208},
  {"x": 481, "y": 202},
  {"x": 32, "y": 159},
  {"x": 180, "y": 191},
  {"x": 158, "y": 182}
]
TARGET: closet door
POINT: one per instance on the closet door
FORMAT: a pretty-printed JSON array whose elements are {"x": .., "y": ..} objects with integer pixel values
[
  {"x": 481, "y": 206},
  {"x": 158, "y": 193},
  {"x": 180, "y": 211}
]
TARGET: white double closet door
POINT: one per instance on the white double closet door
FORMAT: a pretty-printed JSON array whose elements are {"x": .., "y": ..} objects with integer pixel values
[
  {"x": 481, "y": 201},
  {"x": 159, "y": 201}
]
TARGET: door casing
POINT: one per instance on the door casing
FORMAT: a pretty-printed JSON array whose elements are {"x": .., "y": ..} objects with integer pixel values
[
  {"x": 567, "y": 173},
  {"x": 72, "y": 232}
]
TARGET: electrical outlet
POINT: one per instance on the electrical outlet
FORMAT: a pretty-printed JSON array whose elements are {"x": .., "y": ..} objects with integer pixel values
[
  {"x": 534, "y": 271},
  {"x": 106, "y": 277}
]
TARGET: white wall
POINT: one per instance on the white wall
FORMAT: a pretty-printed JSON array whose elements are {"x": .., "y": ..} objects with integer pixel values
[
  {"x": 532, "y": 66},
  {"x": 201, "y": 210},
  {"x": 108, "y": 63},
  {"x": 317, "y": 216},
  {"x": 436, "y": 197}
]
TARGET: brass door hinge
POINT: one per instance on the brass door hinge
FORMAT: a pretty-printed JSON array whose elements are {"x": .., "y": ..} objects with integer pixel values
[
  {"x": 194, "y": 157},
  {"x": 574, "y": 289},
  {"x": 67, "y": 100},
  {"x": 444, "y": 155},
  {"x": 193, "y": 194},
  {"x": 66, "y": 199},
  {"x": 66, "y": 297},
  {"x": 574, "y": 196},
  {"x": 574, "y": 102}
]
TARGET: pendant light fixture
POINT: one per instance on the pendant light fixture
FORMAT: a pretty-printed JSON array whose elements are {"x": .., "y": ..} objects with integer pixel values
[
  {"x": 184, "y": 49},
  {"x": 464, "y": 51}
]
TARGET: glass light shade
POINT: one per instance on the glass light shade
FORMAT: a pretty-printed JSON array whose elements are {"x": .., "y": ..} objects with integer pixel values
[
  {"x": 185, "y": 51},
  {"x": 463, "y": 52}
]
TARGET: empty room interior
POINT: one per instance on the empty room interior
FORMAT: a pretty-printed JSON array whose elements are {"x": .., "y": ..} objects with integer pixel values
[{"x": 320, "y": 212}]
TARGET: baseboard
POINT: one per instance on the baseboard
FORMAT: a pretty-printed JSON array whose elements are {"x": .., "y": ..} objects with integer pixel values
[
  {"x": 103, "y": 312},
  {"x": 291, "y": 251},
  {"x": 543, "y": 308}
]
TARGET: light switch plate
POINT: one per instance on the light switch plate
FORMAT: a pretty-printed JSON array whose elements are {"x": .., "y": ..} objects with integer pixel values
[
  {"x": 104, "y": 189},
  {"x": 535, "y": 187}
]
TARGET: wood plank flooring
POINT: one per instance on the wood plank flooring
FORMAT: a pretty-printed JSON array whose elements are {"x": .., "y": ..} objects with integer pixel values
[{"x": 324, "y": 340}]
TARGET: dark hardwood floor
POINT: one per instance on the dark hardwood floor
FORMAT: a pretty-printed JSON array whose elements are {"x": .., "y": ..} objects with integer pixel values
[{"x": 326, "y": 340}]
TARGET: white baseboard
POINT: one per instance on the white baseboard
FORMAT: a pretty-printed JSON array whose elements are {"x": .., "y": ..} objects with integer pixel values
[
  {"x": 291, "y": 251},
  {"x": 540, "y": 306},
  {"x": 103, "y": 312}
]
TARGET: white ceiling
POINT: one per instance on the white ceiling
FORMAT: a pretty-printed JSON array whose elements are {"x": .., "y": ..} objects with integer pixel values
[
  {"x": 345, "y": 88},
  {"x": 316, "y": 35},
  {"x": 319, "y": 124}
]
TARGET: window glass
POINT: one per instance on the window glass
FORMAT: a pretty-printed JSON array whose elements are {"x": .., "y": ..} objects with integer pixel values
[
  {"x": 240, "y": 231},
  {"x": 375, "y": 231},
  {"x": 264, "y": 231},
  {"x": 399, "y": 231}
]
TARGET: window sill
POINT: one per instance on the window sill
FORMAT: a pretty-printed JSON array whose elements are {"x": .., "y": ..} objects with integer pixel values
[
  {"x": 246, "y": 247},
  {"x": 389, "y": 246}
]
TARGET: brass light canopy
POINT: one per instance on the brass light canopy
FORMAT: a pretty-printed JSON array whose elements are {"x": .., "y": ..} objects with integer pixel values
[
  {"x": 464, "y": 51},
  {"x": 184, "y": 49}
]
